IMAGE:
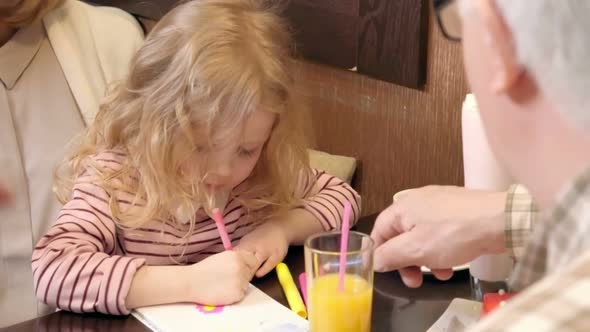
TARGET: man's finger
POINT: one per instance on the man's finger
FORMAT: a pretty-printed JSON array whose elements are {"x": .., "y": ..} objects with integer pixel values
[
  {"x": 412, "y": 276},
  {"x": 443, "y": 274},
  {"x": 399, "y": 252},
  {"x": 385, "y": 226}
]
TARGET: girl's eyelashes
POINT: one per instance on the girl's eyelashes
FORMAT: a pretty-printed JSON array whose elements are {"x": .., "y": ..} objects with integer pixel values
[
  {"x": 247, "y": 153},
  {"x": 242, "y": 152}
]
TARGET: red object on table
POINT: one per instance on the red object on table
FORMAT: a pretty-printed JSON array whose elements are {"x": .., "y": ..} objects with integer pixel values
[{"x": 492, "y": 301}]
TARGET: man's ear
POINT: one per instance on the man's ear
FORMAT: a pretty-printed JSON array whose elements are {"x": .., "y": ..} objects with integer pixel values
[{"x": 504, "y": 56}]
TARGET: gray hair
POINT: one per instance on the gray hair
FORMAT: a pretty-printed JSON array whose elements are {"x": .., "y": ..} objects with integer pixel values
[{"x": 552, "y": 41}]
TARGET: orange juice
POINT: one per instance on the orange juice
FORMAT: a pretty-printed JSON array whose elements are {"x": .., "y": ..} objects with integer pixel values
[{"x": 331, "y": 310}]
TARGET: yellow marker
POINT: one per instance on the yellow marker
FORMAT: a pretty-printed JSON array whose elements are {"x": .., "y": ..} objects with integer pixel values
[{"x": 290, "y": 290}]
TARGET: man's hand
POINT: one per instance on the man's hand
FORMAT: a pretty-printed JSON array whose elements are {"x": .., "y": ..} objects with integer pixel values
[{"x": 438, "y": 227}]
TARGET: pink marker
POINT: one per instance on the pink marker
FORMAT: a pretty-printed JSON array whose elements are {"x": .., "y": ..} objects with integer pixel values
[
  {"x": 221, "y": 228},
  {"x": 344, "y": 244},
  {"x": 303, "y": 286}
]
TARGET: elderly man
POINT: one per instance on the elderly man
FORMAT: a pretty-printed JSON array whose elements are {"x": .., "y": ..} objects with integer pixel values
[{"x": 527, "y": 64}]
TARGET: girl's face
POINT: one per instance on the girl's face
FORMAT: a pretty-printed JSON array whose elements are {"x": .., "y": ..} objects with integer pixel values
[{"x": 229, "y": 165}]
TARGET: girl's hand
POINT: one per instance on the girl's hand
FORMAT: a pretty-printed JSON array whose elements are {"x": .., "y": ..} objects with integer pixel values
[
  {"x": 269, "y": 243},
  {"x": 223, "y": 278}
]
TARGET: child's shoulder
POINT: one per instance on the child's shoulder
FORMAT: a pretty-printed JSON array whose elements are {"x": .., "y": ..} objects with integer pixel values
[
  {"x": 108, "y": 166},
  {"x": 110, "y": 158}
]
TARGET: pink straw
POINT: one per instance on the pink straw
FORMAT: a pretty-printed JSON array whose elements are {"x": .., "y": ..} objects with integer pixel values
[
  {"x": 344, "y": 244},
  {"x": 303, "y": 285},
  {"x": 221, "y": 228}
]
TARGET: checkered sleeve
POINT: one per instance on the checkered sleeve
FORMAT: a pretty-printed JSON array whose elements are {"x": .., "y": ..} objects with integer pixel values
[
  {"x": 521, "y": 213},
  {"x": 558, "y": 302}
]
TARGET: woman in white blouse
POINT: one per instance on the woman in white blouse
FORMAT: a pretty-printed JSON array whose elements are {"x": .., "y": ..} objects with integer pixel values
[{"x": 57, "y": 58}]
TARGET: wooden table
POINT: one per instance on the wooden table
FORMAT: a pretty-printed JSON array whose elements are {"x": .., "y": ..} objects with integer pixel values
[{"x": 395, "y": 307}]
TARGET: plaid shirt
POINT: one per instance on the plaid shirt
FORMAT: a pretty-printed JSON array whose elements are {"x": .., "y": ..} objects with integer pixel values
[
  {"x": 555, "y": 271},
  {"x": 521, "y": 213}
]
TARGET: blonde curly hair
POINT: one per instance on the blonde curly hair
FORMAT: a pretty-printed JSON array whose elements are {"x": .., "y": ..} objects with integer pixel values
[{"x": 203, "y": 70}]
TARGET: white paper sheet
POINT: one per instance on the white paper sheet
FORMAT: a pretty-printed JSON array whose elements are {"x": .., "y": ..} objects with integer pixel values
[{"x": 258, "y": 312}]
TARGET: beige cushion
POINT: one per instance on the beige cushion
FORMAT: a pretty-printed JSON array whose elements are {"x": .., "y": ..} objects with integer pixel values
[{"x": 341, "y": 167}]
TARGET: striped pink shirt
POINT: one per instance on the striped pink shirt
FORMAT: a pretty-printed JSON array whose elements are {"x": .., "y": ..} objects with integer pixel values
[{"x": 85, "y": 263}]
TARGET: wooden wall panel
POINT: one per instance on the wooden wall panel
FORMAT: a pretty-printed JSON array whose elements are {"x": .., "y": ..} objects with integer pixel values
[
  {"x": 403, "y": 137},
  {"x": 392, "y": 40},
  {"x": 326, "y": 31},
  {"x": 345, "y": 7},
  {"x": 385, "y": 39},
  {"x": 152, "y": 9}
]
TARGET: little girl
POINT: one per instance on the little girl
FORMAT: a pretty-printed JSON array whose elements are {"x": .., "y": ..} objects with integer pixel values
[{"x": 206, "y": 118}]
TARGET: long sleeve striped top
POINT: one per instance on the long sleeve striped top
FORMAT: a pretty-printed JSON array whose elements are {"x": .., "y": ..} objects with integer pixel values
[{"x": 86, "y": 262}]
